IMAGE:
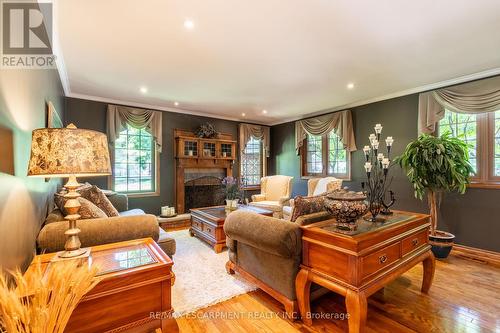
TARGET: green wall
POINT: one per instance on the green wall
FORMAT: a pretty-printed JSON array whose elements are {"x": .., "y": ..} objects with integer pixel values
[
  {"x": 23, "y": 201},
  {"x": 472, "y": 217}
]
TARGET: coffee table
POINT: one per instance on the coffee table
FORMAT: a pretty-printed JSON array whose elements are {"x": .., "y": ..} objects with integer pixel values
[
  {"x": 358, "y": 263},
  {"x": 208, "y": 223},
  {"x": 133, "y": 295}
]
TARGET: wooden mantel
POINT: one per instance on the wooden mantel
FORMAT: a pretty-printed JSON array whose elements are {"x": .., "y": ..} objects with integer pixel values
[{"x": 200, "y": 153}]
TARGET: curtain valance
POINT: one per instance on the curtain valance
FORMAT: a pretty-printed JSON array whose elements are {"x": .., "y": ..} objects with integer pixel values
[
  {"x": 257, "y": 132},
  {"x": 120, "y": 116},
  {"x": 473, "y": 97},
  {"x": 340, "y": 122}
]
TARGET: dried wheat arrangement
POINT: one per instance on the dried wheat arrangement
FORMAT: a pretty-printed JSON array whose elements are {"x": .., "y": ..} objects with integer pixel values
[{"x": 44, "y": 303}]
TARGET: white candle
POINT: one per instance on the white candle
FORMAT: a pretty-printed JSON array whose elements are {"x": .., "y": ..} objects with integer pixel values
[
  {"x": 385, "y": 163},
  {"x": 375, "y": 144},
  {"x": 389, "y": 141},
  {"x": 165, "y": 211},
  {"x": 372, "y": 137},
  {"x": 366, "y": 150},
  {"x": 380, "y": 157},
  {"x": 378, "y": 128},
  {"x": 368, "y": 166}
]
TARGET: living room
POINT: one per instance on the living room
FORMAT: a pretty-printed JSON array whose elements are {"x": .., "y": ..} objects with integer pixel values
[{"x": 255, "y": 166}]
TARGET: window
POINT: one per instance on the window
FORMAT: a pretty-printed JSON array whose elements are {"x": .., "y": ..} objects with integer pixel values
[
  {"x": 134, "y": 162},
  {"x": 482, "y": 133},
  {"x": 252, "y": 163},
  {"x": 325, "y": 156}
]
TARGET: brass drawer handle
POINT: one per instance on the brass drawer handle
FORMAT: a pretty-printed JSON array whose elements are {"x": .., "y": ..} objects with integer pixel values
[
  {"x": 414, "y": 242},
  {"x": 382, "y": 259},
  {"x": 208, "y": 229}
]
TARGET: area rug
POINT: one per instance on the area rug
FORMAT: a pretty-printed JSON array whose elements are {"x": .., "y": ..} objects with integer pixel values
[{"x": 200, "y": 276}]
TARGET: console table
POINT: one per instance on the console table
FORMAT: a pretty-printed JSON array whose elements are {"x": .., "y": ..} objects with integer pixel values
[
  {"x": 134, "y": 294},
  {"x": 358, "y": 263}
]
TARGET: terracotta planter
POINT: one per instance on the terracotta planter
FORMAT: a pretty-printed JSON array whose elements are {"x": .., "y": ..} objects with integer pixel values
[{"x": 442, "y": 243}]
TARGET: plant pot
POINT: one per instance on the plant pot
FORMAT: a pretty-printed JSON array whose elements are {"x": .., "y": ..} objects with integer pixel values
[
  {"x": 441, "y": 242},
  {"x": 231, "y": 204}
]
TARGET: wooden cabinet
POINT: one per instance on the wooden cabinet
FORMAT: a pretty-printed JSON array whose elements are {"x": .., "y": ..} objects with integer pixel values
[{"x": 190, "y": 146}]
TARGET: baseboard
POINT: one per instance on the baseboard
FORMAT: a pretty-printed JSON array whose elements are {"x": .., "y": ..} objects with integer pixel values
[{"x": 488, "y": 257}]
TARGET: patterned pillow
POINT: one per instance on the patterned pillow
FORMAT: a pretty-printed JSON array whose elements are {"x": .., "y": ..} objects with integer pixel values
[
  {"x": 87, "y": 209},
  {"x": 307, "y": 205},
  {"x": 95, "y": 195}
]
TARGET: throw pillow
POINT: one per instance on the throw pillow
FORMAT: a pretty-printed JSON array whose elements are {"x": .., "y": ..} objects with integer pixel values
[
  {"x": 95, "y": 195},
  {"x": 87, "y": 209},
  {"x": 307, "y": 205}
]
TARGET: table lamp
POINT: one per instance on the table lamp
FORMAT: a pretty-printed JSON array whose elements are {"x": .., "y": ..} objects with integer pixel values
[{"x": 69, "y": 152}]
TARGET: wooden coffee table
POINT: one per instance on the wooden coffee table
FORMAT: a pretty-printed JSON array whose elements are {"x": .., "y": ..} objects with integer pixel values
[
  {"x": 208, "y": 223},
  {"x": 359, "y": 263},
  {"x": 134, "y": 294}
]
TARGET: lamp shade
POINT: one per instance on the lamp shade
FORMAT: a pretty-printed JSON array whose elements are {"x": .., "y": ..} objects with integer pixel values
[{"x": 61, "y": 152}]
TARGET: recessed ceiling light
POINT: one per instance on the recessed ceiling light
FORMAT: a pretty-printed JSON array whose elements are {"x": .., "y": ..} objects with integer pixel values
[
  {"x": 350, "y": 85},
  {"x": 176, "y": 103},
  {"x": 264, "y": 111},
  {"x": 143, "y": 90},
  {"x": 243, "y": 114},
  {"x": 188, "y": 24}
]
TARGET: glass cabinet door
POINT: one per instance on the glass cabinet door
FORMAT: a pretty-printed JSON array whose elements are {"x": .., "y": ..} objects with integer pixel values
[{"x": 190, "y": 148}]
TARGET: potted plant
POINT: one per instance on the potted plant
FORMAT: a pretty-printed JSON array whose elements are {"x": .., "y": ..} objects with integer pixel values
[
  {"x": 437, "y": 165},
  {"x": 231, "y": 189}
]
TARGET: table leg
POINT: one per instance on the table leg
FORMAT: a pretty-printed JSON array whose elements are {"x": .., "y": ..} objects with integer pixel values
[
  {"x": 218, "y": 248},
  {"x": 356, "y": 308},
  {"x": 429, "y": 264},
  {"x": 303, "y": 289}
]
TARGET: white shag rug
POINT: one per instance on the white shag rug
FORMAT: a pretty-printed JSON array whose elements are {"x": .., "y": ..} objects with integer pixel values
[{"x": 200, "y": 276}]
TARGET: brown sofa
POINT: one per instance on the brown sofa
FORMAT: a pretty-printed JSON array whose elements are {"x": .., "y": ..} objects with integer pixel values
[
  {"x": 131, "y": 224},
  {"x": 267, "y": 251}
]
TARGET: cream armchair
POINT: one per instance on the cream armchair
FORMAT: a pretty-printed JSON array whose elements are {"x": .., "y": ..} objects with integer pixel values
[
  {"x": 315, "y": 186},
  {"x": 275, "y": 193}
]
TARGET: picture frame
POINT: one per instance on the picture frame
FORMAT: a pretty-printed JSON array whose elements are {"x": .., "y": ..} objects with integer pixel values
[{"x": 53, "y": 118}]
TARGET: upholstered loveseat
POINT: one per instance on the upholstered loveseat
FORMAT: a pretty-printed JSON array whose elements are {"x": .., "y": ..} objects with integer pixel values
[
  {"x": 267, "y": 251},
  {"x": 131, "y": 224}
]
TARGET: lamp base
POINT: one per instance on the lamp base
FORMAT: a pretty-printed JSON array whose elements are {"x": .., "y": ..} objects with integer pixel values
[{"x": 75, "y": 254}]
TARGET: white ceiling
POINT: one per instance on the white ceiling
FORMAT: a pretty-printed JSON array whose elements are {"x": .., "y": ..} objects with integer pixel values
[{"x": 290, "y": 57}]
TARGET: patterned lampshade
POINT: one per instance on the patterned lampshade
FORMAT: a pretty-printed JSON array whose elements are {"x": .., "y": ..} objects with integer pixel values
[{"x": 61, "y": 152}]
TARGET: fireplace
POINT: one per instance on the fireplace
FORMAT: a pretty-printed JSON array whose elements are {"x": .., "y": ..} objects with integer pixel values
[
  {"x": 200, "y": 166},
  {"x": 203, "y": 188}
]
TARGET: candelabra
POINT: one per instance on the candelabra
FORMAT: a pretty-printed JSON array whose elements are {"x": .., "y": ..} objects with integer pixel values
[{"x": 377, "y": 169}]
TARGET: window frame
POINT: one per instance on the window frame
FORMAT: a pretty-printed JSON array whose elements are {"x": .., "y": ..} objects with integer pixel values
[
  {"x": 155, "y": 161},
  {"x": 485, "y": 152},
  {"x": 325, "y": 154},
  {"x": 263, "y": 169}
]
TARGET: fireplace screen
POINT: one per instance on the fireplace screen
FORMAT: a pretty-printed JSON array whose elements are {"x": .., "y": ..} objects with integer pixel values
[{"x": 204, "y": 191}]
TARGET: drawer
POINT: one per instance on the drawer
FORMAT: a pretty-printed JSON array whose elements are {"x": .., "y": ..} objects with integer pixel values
[
  {"x": 376, "y": 261},
  {"x": 196, "y": 224},
  {"x": 208, "y": 229},
  {"x": 413, "y": 242}
]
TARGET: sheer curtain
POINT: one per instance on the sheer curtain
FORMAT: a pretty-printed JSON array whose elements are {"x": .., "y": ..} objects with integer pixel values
[
  {"x": 120, "y": 116},
  {"x": 340, "y": 122},
  {"x": 473, "y": 97}
]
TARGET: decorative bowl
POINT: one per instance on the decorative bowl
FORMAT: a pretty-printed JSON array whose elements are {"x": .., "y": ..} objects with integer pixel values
[{"x": 346, "y": 206}]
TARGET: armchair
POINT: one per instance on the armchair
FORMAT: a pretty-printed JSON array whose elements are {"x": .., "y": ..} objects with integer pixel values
[
  {"x": 315, "y": 186},
  {"x": 275, "y": 193}
]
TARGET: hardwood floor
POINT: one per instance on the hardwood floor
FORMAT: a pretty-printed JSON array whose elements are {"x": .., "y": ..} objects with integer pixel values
[{"x": 463, "y": 298}]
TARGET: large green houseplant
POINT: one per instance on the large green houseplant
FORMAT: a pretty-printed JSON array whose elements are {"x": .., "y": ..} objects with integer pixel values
[{"x": 437, "y": 165}]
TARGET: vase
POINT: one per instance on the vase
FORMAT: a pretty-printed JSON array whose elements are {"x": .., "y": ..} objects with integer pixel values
[
  {"x": 231, "y": 204},
  {"x": 346, "y": 207}
]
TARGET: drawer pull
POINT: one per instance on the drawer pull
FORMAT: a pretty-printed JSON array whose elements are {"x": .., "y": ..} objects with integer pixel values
[
  {"x": 414, "y": 242},
  {"x": 382, "y": 259},
  {"x": 208, "y": 229}
]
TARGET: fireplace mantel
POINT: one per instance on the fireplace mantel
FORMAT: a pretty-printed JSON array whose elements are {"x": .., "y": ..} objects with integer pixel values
[{"x": 200, "y": 153}]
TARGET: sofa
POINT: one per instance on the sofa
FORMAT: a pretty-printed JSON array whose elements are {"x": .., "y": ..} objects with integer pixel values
[
  {"x": 267, "y": 251},
  {"x": 315, "y": 187},
  {"x": 275, "y": 193},
  {"x": 131, "y": 224}
]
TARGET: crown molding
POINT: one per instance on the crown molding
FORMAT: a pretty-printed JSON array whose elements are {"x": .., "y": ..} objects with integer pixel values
[
  {"x": 427, "y": 87},
  {"x": 158, "y": 107}
]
